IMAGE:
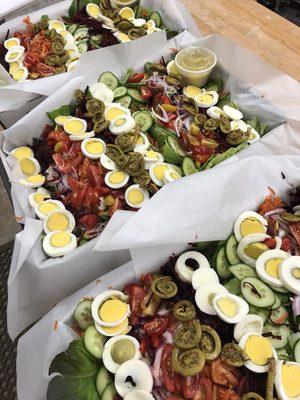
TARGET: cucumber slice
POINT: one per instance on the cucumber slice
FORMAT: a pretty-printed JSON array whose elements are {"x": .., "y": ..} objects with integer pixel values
[
  {"x": 109, "y": 79},
  {"x": 280, "y": 289},
  {"x": 284, "y": 298},
  {"x": 277, "y": 335},
  {"x": 257, "y": 293},
  {"x": 277, "y": 303},
  {"x": 94, "y": 341},
  {"x": 170, "y": 156},
  {"x": 120, "y": 92},
  {"x": 297, "y": 352},
  {"x": 109, "y": 393},
  {"x": 293, "y": 339},
  {"x": 231, "y": 253},
  {"x": 83, "y": 315},
  {"x": 143, "y": 119},
  {"x": 82, "y": 47},
  {"x": 136, "y": 95},
  {"x": 283, "y": 354},
  {"x": 233, "y": 286},
  {"x": 103, "y": 379},
  {"x": 262, "y": 312},
  {"x": 212, "y": 87},
  {"x": 174, "y": 144},
  {"x": 241, "y": 271},
  {"x": 279, "y": 316},
  {"x": 155, "y": 16},
  {"x": 188, "y": 166},
  {"x": 80, "y": 34},
  {"x": 125, "y": 101},
  {"x": 222, "y": 265},
  {"x": 72, "y": 29}
]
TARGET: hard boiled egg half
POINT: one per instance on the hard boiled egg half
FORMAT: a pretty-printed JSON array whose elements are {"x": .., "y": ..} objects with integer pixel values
[
  {"x": 171, "y": 176},
  {"x": 289, "y": 273},
  {"x": 127, "y": 13},
  {"x": 254, "y": 135},
  {"x": 118, "y": 350},
  {"x": 12, "y": 42},
  {"x": 14, "y": 54},
  {"x": 230, "y": 308},
  {"x": 157, "y": 173},
  {"x": 93, "y": 10},
  {"x": 205, "y": 295},
  {"x": 249, "y": 222},
  {"x": 122, "y": 124},
  {"x": 122, "y": 37},
  {"x": 116, "y": 179},
  {"x": 189, "y": 262},
  {"x": 151, "y": 157},
  {"x": 215, "y": 112},
  {"x": 142, "y": 143},
  {"x": 232, "y": 113},
  {"x": 207, "y": 99},
  {"x": 59, "y": 220},
  {"x": 258, "y": 350},
  {"x": 56, "y": 25},
  {"x": 74, "y": 126},
  {"x": 267, "y": 266},
  {"x": 249, "y": 323},
  {"x": 20, "y": 74},
  {"x": 59, "y": 243},
  {"x": 22, "y": 152},
  {"x": 193, "y": 91},
  {"x": 61, "y": 119},
  {"x": 38, "y": 197},
  {"x": 101, "y": 92},
  {"x": 135, "y": 196},
  {"x": 33, "y": 181},
  {"x": 287, "y": 380},
  {"x": 47, "y": 206},
  {"x": 115, "y": 110},
  {"x": 108, "y": 163},
  {"x": 93, "y": 148}
]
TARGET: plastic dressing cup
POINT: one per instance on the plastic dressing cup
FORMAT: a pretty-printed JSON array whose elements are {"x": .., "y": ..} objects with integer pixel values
[
  {"x": 123, "y": 3},
  {"x": 195, "y": 64}
]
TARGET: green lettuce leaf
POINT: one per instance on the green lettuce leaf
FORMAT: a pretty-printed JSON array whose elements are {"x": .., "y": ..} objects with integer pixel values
[
  {"x": 78, "y": 369},
  {"x": 77, "y": 5},
  {"x": 63, "y": 110}
]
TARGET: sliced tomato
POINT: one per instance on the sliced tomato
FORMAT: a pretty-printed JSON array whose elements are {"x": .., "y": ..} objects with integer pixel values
[
  {"x": 201, "y": 150},
  {"x": 78, "y": 196},
  {"x": 44, "y": 69},
  {"x": 62, "y": 165},
  {"x": 178, "y": 382},
  {"x": 92, "y": 197},
  {"x": 94, "y": 175},
  {"x": 157, "y": 326},
  {"x": 136, "y": 78},
  {"x": 270, "y": 242},
  {"x": 66, "y": 145},
  {"x": 168, "y": 374},
  {"x": 144, "y": 344},
  {"x": 202, "y": 158},
  {"x": 136, "y": 296},
  {"x": 204, "y": 390},
  {"x": 227, "y": 394},
  {"x": 220, "y": 375},
  {"x": 155, "y": 341},
  {"x": 56, "y": 136},
  {"x": 89, "y": 221},
  {"x": 165, "y": 100},
  {"x": 75, "y": 150},
  {"x": 286, "y": 244},
  {"x": 117, "y": 206},
  {"x": 146, "y": 93},
  {"x": 189, "y": 386},
  {"x": 295, "y": 228},
  {"x": 170, "y": 125}
]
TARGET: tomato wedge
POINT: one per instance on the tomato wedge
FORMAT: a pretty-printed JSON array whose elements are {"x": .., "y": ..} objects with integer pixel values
[
  {"x": 89, "y": 221},
  {"x": 189, "y": 386},
  {"x": 295, "y": 228},
  {"x": 136, "y": 296},
  {"x": 157, "y": 326},
  {"x": 146, "y": 93},
  {"x": 286, "y": 244},
  {"x": 136, "y": 78},
  {"x": 168, "y": 374},
  {"x": 94, "y": 175}
]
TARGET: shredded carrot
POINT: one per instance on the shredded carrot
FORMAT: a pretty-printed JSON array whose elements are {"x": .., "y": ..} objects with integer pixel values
[
  {"x": 55, "y": 326},
  {"x": 271, "y": 202}
]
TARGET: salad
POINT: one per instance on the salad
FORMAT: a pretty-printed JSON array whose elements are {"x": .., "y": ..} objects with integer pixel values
[
  {"x": 49, "y": 46},
  {"x": 220, "y": 324},
  {"x": 118, "y": 142}
]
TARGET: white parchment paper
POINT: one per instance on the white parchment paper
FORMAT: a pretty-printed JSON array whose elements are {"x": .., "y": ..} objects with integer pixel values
[{"x": 16, "y": 94}]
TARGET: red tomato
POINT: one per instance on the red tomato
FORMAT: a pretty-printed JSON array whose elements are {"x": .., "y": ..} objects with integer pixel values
[
  {"x": 146, "y": 93},
  {"x": 88, "y": 220},
  {"x": 168, "y": 375},
  {"x": 92, "y": 197},
  {"x": 156, "y": 100},
  {"x": 75, "y": 150},
  {"x": 227, "y": 394},
  {"x": 117, "y": 206},
  {"x": 165, "y": 100},
  {"x": 157, "y": 326},
  {"x": 55, "y": 137},
  {"x": 66, "y": 145},
  {"x": 204, "y": 391},
  {"x": 78, "y": 196},
  {"x": 44, "y": 69},
  {"x": 156, "y": 342},
  {"x": 295, "y": 228},
  {"x": 286, "y": 244},
  {"x": 62, "y": 165},
  {"x": 94, "y": 175},
  {"x": 178, "y": 382},
  {"x": 136, "y": 296},
  {"x": 170, "y": 125},
  {"x": 174, "y": 398},
  {"x": 189, "y": 386},
  {"x": 201, "y": 150},
  {"x": 202, "y": 158},
  {"x": 136, "y": 78},
  {"x": 270, "y": 242},
  {"x": 144, "y": 345},
  {"x": 221, "y": 375}
]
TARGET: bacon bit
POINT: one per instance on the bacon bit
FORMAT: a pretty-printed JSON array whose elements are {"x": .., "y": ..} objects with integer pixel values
[
  {"x": 271, "y": 202},
  {"x": 55, "y": 326},
  {"x": 98, "y": 281}
]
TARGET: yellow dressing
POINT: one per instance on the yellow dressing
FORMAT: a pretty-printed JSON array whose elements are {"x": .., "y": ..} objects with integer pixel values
[
  {"x": 18, "y": 74},
  {"x": 117, "y": 177},
  {"x": 251, "y": 225},
  {"x": 254, "y": 250},
  {"x": 113, "y": 113},
  {"x": 227, "y": 306},
  {"x": 115, "y": 329},
  {"x": 258, "y": 349},
  {"x": 120, "y": 122},
  {"x": 112, "y": 310},
  {"x": 290, "y": 379},
  {"x": 135, "y": 196},
  {"x": 94, "y": 147},
  {"x": 272, "y": 267},
  {"x": 27, "y": 166},
  {"x": 58, "y": 222},
  {"x": 47, "y": 207},
  {"x": 36, "y": 178},
  {"x": 60, "y": 239},
  {"x": 22, "y": 152},
  {"x": 74, "y": 126},
  {"x": 159, "y": 171},
  {"x": 196, "y": 59}
]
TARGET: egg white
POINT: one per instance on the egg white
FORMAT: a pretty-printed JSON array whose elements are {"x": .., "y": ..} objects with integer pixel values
[
  {"x": 122, "y": 331},
  {"x": 82, "y": 136},
  {"x": 260, "y": 266},
  {"x": 254, "y": 135},
  {"x": 242, "y": 306},
  {"x": 169, "y": 178},
  {"x": 97, "y": 302},
  {"x": 249, "y": 323},
  {"x": 32, "y": 201},
  {"x": 118, "y": 106},
  {"x": 143, "y": 191},
  {"x": 116, "y": 185},
  {"x": 232, "y": 113},
  {"x": 90, "y": 155},
  {"x": 278, "y": 380},
  {"x": 138, "y": 22},
  {"x": 108, "y": 163},
  {"x": 18, "y": 51},
  {"x": 52, "y": 22},
  {"x": 107, "y": 358},
  {"x": 202, "y": 276},
  {"x": 123, "y": 38},
  {"x": 215, "y": 112},
  {"x": 184, "y": 272},
  {"x": 245, "y": 215},
  {"x": 285, "y": 274},
  {"x": 249, "y": 239},
  {"x": 24, "y": 182},
  {"x": 91, "y": 6},
  {"x": 128, "y": 125},
  {"x": 24, "y": 71},
  {"x": 153, "y": 176},
  {"x": 149, "y": 161},
  {"x": 6, "y": 42},
  {"x": 139, "y": 395},
  {"x": 69, "y": 131},
  {"x": 101, "y": 92},
  {"x": 58, "y": 251},
  {"x": 238, "y": 124},
  {"x": 36, "y": 164},
  {"x": 142, "y": 146},
  {"x": 214, "y": 101}
]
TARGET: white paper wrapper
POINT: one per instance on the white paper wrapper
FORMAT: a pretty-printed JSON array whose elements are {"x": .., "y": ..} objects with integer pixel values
[{"x": 14, "y": 94}]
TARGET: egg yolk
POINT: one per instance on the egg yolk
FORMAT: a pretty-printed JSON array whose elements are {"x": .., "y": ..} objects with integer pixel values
[
  {"x": 94, "y": 147},
  {"x": 296, "y": 273},
  {"x": 254, "y": 250},
  {"x": 174, "y": 175},
  {"x": 93, "y": 10},
  {"x": 251, "y": 225},
  {"x": 272, "y": 267},
  {"x": 112, "y": 310},
  {"x": 206, "y": 99},
  {"x": 120, "y": 122},
  {"x": 127, "y": 13},
  {"x": 39, "y": 197},
  {"x": 22, "y": 152},
  {"x": 228, "y": 306},
  {"x": 58, "y": 222},
  {"x": 135, "y": 196},
  {"x": 124, "y": 37},
  {"x": 192, "y": 91},
  {"x": 140, "y": 140},
  {"x": 113, "y": 113},
  {"x": 61, "y": 119},
  {"x": 290, "y": 378},
  {"x": 74, "y": 126},
  {"x": 60, "y": 239},
  {"x": 123, "y": 350},
  {"x": 46, "y": 208},
  {"x": 35, "y": 178},
  {"x": 18, "y": 74},
  {"x": 258, "y": 349},
  {"x": 56, "y": 25},
  {"x": 13, "y": 55},
  {"x": 153, "y": 155},
  {"x": 110, "y": 330},
  {"x": 117, "y": 177},
  {"x": 11, "y": 43},
  {"x": 71, "y": 52},
  {"x": 159, "y": 171},
  {"x": 27, "y": 166},
  {"x": 13, "y": 67}
]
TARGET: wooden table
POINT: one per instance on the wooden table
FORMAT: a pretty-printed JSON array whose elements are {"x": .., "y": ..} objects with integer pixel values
[{"x": 253, "y": 26}]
